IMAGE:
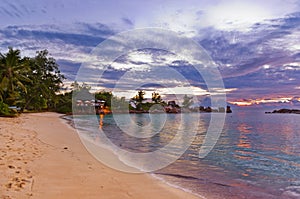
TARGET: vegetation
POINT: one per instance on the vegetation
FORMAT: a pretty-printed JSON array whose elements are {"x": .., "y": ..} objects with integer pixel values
[
  {"x": 13, "y": 71},
  {"x": 45, "y": 82},
  {"x": 156, "y": 98},
  {"x": 64, "y": 104},
  {"x": 28, "y": 83},
  {"x": 5, "y": 111},
  {"x": 33, "y": 84},
  {"x": 187, "y": 101},
  {"x": 145, "y": 107},
  {"x": 78, "y": 91},
  {"x": 139, "y": 97},
  {"x": 107, "y": 97}
]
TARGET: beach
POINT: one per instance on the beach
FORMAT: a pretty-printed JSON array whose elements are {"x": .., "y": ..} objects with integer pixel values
[{"x": 41, "y": 156}]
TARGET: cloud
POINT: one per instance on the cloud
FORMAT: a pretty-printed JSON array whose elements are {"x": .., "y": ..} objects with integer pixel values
[
  {"x": 128, "y": 22},
  {"x": 270, "y": 43},
  {"x": 229, "y": 15},
  {"x": 70, "y": 46},
  {"x": 254, "y": 52},
  {"x": 277, "y": 101},
  {"x": 49, "y": 33},
  {"x": 241, "y": 15}
]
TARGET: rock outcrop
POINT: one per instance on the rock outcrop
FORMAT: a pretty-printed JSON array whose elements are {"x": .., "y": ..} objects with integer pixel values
[{"x": 295, "y": 111}]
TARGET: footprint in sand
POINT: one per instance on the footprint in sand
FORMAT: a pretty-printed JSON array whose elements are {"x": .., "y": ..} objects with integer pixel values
[
  {"x": 21, "y": 185},
  {"x": 9, "y": 185}
]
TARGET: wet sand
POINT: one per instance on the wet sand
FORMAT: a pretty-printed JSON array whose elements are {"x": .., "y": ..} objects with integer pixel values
[{"x": 42, "y": 157}]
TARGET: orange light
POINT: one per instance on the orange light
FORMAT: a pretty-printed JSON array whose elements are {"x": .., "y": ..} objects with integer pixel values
[
  {"x": 242, "y": 103},
  {"x": 250, "y": 102}
]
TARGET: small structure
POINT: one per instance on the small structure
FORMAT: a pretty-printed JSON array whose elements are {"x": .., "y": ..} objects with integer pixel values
[
  {"x": 90, "y": 107},
  {"x": 100, "y": 107}
]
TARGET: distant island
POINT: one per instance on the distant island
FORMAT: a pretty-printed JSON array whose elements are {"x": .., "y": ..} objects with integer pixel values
[{"x": 294, "y": 111}]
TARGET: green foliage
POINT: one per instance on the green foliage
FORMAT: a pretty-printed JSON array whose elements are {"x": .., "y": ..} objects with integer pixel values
[
  {"x": 13, "y": 75},
  {"x": 46, "y": 81},
  {"x": 140, "y": 96},
  {"x": 31, "y": 83},
  {"x": 77, "y": 87},
  {"x": 119, "y": 104},
  {"x": 146, "y": 106},
  {"x": 5, "y": 111},
  {"x": 64, "y": 104},
  {"x": 106, "y": 96},
  {"x": 81, "y": 92},
  {"x": 187, "y": 101},
  {"x": 156, "y": 98}
]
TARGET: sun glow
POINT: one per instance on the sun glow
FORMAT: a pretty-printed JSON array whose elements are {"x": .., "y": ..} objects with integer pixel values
[
  {"x": 250, "y": 102},
  {"x": 242, "y": 103}
]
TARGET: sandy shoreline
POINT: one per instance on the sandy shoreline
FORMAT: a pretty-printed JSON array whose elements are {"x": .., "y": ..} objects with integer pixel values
[{"x": 41, "y": 157}]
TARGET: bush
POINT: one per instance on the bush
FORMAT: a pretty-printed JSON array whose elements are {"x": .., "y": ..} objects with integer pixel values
[
  {"x": 64, "y": 104},
  {"x": 5, "y": 111},
  {"x": 65, "y": 109}
]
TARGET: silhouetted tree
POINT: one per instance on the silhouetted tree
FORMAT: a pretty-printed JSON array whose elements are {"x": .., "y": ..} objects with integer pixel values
[
  {"x": 140, "y": 96},
  {"x": 156, "y": 98}
]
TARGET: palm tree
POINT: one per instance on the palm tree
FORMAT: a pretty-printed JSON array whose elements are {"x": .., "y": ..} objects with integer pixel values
[
  {"x": 12, "y": 74},
  {"x": 140, "y": 96},
  {"x": 156, "y": 98}
]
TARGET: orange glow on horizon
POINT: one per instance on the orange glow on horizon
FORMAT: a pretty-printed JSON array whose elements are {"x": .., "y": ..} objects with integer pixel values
[
  {"x": 242, "y": 103},
  {"x": 251, "y": 102}
]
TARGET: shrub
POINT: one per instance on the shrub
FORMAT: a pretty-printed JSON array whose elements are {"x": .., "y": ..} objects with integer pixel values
[{"x": 5, "y": 111}]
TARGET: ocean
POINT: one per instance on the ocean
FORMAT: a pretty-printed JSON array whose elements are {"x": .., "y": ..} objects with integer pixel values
[{"x": 256, "y": 156}]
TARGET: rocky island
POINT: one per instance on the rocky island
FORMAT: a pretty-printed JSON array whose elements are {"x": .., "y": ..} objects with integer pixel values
[{"x": 295, "y": 111}]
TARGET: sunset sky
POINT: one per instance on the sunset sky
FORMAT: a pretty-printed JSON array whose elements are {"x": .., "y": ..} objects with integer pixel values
[{"x": 255, "y": 44}]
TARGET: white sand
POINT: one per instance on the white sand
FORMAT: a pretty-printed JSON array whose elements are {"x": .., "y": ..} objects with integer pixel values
[{"x": 41, "y": 157}]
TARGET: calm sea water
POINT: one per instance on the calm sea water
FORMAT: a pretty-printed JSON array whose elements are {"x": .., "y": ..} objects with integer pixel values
[{"x": 256, "y": 156}]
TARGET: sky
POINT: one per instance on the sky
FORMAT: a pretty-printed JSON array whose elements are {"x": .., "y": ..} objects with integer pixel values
[{"x": 255, "y": 44}]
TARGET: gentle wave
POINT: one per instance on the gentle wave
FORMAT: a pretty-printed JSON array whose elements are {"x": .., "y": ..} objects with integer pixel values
[
  {"x": 256, "y": 155},
  {"x": 176, "y": 186}
]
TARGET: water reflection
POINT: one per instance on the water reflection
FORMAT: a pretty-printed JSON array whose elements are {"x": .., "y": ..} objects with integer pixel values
[
  {"x": 256, "y": 150},
  {"x": 244, "y": 142},
  {"x": 101, "y": 116},
  {"x": 285, "y": 137},
  {"x": 291, "y": 138}
]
